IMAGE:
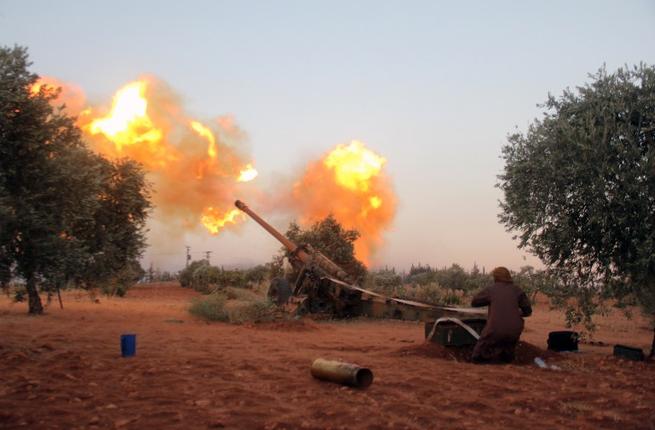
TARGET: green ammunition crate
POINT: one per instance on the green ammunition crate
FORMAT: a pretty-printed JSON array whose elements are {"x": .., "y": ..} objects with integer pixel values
[{"x": 449, "y": 333}]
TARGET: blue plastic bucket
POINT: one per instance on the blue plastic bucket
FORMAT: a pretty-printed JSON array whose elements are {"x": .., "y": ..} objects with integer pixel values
[{"x": 128, "y": 345}]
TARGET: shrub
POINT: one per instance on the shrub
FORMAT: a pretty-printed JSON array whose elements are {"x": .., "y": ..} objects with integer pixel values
[
  {"x": 430, "y": 293},
  {"x": 260, "y": 289},
  {"x": 186, "y": 274},
  {"x": 451, "y": 299},
  {"x": 256, "y": 274},
  {"x": 384, "y": 280},
  {"x": 255, "y": 311},
  {"x": 233, "y": 293},
  {"x": 121, "y": 281},
  {"x": 243, "y": 308},
  {"x": 211, "y": 308},
  {"x": 421, "y": 278},
  {"x": 232, "y": 278},
  {"x": 205, "y": 278}
]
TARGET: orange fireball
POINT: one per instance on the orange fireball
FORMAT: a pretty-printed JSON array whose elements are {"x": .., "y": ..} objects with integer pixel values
[
  {"x": 350, "y": 183},
  {"x": 214, "y": 220},
  {"x": 207, "y": 134},
  {"x": 194, "y": 172},
  {"x": 128, "y": 122},
  {"x": 247, "y": 174}
]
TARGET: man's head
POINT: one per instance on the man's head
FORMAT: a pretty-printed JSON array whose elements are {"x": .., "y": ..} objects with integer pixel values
[{"x": 501, "y": 274}]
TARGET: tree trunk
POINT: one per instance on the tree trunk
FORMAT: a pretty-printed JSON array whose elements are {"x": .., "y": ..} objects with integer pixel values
[
  {"x": 34, "y": 301},
  {"x": 61, "y": 304},
  {"x": 652, "y": 346}
]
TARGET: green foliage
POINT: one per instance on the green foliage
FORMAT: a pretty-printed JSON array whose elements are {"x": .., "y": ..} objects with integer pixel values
[
  {"x": 453, "y": 285},
  {"x": 418, "y": 269},
  {"x": 331, "y": 239},
  {"x": 203, "y": 277},
  {"x": 477, "y": 280},
  {"x": 41, "y": 198},
  {"x": 432, "y": 292},
  {"x": 119, "y": 282},
  {"x": 534, "y": 281},
  {"x": 422, "y": 278},
  {"x": 256, "y": 274},
  {"x": 451, "y": 298},
  {"x": 421, "y": 284},
  {"x": 429, "y": 293},
  {"x": 117, "y": 236},
  {"x": 218, "y": 307},
  {"x": 211, "y": 307},
  {"x": 452, "y": 278},
  {"x": 275, "y": 266},
  {"x": 186, "y": 274},
  {"x": 242, "y": 294},
  {"x": 386, "y": 281},
  {"x": 255, "y": 312},
  {"x": 232, "y": 278},
  {"x": 65, "y": 213},
  {"x": 157, "y": 275},
  {"x": 579, "y": 189}
]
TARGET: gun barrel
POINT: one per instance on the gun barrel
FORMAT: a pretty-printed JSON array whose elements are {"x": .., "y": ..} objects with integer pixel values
[
  {"x": 292, "y": 247},
  {"x": 313, "y": 256}
]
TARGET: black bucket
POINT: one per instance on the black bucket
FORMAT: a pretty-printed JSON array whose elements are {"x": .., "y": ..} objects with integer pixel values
[
  {"x": 629, "y": 353},
  {"x": 563, "y": 341}
]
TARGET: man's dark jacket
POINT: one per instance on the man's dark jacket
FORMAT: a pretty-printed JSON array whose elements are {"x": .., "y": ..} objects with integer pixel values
[{"x": 508, "y": 304}]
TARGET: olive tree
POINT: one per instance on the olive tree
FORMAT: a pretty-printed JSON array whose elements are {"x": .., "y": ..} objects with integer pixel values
[
  {"x": 330, "y": 238},
  {"x": 579, "y": 188},
  {"x": 65, "y": 212},
  {"x": 45, "y": 187}
]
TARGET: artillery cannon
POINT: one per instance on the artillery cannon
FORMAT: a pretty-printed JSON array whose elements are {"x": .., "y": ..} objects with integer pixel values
[
  {"x": 315, "y": 286},
  {"x": 324, "y": 287}
]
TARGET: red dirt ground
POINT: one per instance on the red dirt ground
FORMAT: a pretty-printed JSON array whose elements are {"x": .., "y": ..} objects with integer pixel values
[{"x": 64, "y": 370}]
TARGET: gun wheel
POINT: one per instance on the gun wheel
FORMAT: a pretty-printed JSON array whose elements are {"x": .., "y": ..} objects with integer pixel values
[{"x": 279, "y": 291}]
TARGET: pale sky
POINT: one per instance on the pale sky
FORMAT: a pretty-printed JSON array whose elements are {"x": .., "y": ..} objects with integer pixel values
[{"x": 434, "y": 87}]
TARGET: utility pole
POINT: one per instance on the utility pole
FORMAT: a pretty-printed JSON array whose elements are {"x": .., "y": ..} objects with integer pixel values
[
  {"x": 188, "y": 256},
  {"x": 207, "y": 254}
]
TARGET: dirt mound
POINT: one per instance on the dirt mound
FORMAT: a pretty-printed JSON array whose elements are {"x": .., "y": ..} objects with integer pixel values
[{"x": 525, "y": 352}]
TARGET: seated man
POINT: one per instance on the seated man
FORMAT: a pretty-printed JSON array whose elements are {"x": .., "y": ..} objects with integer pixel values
[{"x": 508, "y": 304}]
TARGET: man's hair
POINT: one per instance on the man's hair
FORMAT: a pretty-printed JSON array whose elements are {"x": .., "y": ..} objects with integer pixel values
[{"x": 501, "y": 274}]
